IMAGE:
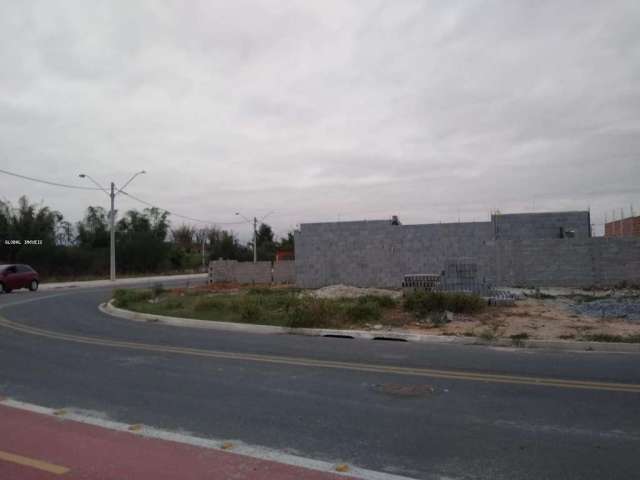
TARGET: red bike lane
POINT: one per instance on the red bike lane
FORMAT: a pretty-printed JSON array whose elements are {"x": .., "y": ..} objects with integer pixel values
[{"x": 35, "y": 446}]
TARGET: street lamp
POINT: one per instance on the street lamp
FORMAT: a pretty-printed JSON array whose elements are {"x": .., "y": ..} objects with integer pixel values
[
  {"x": 255, "y": 235},
  {"x": 112, "y": 217}
]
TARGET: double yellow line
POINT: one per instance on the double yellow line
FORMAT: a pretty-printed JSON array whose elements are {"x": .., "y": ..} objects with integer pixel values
[{"x": 309, "y": 362}]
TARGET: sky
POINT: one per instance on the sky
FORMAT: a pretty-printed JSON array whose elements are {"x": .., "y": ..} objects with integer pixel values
[{"x": 435, "y": 111}]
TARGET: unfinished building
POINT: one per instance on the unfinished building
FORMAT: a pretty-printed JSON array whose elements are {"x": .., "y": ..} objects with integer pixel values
[{"x": 526, "y": 249}]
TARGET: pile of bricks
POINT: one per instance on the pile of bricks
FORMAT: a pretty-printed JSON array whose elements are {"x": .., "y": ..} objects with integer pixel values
[{"x": 421, "y": 281}]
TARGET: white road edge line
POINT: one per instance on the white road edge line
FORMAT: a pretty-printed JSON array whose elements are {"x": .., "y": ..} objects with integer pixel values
[{"x": 240, "y": 448}]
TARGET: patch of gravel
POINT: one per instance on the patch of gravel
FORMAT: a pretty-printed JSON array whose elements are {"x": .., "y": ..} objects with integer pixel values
[
  {"x": 627, "y": 308},
  {"x": 345, "y": 291}
]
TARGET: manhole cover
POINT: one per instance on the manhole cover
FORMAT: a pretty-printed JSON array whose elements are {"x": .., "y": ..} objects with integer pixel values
[{"x": 405, "y": 390}]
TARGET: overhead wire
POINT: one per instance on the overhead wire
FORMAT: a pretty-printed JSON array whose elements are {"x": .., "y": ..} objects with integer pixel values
[
  {"x": 47, "y": 182},
  {"x": 185, "y": 217},
  {"x": 137, "y": 199}
]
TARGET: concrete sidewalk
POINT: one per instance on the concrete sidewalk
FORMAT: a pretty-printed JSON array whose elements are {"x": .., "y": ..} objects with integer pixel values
[{"x": 121, "y": 281}]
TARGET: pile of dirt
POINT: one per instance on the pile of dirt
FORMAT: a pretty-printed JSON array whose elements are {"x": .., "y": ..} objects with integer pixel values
[{"x": 345, "y": 291}]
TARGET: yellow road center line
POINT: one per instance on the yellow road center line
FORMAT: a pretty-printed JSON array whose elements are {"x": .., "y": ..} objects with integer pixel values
[
  {"x": 308, "y": 362},
  {"x": 32, "y": 462}
]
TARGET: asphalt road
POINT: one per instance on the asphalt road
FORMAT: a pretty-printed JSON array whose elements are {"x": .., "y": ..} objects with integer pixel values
[{"x": 280, "y": 391}]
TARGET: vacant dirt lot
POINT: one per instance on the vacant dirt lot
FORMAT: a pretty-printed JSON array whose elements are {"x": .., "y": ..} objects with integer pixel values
[{"x": 612, "y": 316}]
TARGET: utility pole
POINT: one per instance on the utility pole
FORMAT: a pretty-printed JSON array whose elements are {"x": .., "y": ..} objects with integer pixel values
[
  {"x": 204, "y": 242},
  {"x": 255, "y": 232},
  {"x": 255, "y": 240},
  {"x": 112, "y": 234},
  {"x": 112, "y": 218}
]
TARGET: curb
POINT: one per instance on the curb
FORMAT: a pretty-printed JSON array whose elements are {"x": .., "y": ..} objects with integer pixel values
[
  {"x": 235, "y": 446},
  {"x": 560, "y": 345},
  {"x": 120, "y": 281}
]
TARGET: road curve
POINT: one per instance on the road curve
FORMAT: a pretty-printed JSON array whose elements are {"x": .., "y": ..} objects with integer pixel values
[{"x": 424, "y": 411}]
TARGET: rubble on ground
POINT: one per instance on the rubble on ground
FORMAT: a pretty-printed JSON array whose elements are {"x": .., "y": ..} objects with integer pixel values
[
  {"x": 345, "y": 291},
  {"x": 627, "y": 308}
]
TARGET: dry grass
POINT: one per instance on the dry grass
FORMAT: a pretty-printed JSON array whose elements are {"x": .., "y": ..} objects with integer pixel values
[{"x": 531, "y": 318}]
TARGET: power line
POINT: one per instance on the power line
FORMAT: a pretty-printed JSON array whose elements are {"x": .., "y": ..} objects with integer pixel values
[
  {"x": 76, "y": 187},
  {"x": 197, "y": 220},
  {"x": 55, "y": 184}
]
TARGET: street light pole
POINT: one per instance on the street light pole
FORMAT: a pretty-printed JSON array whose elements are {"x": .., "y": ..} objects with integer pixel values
[
  {"x": 112, "y": 218},
  {"x": 204, "y": 241},
  {"x": 255, "y": 240},
  {"x": 255, "y": 235},
  {"x": 112, "y": 233}
]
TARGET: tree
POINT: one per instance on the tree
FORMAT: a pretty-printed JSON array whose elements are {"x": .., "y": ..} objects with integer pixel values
[
  {"x": 141, "y": 240},
  {"x": 27, "y": 221},
  {"x": 266, "y": 245},
  {"x": 183, "y": 237},
  {"x": 93, "y": 229},
  {"x": 286, "y": 243},
  {"x": 64, "y": 234},
  {"x": 224, "y": 244}
]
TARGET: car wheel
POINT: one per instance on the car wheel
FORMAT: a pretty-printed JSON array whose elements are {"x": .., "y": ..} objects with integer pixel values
[
  {"x": 33, "y": 286},
  {"x": 4, "y": 288}
]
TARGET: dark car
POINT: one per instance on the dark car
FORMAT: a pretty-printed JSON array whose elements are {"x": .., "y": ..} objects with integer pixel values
[{"x": 18, "y": 276}]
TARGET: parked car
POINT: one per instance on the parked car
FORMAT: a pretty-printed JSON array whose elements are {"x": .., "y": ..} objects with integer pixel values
[{"x": 18, "y": 276}]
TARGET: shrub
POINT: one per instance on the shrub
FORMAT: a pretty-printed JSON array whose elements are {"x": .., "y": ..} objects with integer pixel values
[
  {"x": 363, "y": 311},
  {"x": 383, "y": 301},
  {"x": 313, "y": 313},
  {"x": 125, "y": 297},
  {"x": 157, "y": 289},
  {"x": 173, "y": 304},
  {"x": 606, "y": 337},
  {"x": 422, "y": 303},
  {"x": 250, "y": 310},
  {"x": 206, "y": 304},
  {"x": 262, "y": 291},
  {"x": 519, "y": 338},
  {"x": 488, "y": 334}
]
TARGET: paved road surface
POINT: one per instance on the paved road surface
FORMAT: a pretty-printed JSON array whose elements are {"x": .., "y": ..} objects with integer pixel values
[{"x": 422, "y": 411}]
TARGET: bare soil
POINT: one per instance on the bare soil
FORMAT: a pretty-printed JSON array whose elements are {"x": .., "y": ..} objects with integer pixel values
[{"x": 543, "y": 319}]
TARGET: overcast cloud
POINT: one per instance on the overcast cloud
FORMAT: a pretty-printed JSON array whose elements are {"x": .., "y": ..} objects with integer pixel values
[{"x": 322, "y": 110}]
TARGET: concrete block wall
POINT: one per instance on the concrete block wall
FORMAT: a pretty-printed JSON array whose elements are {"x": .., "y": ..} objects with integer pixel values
[
  {"x": 526, "y": 226},
  {"x": 222, "y": 271},
  {"x": 249, "y": 272},
  {"x": 380, "y": 254},
  {"x": 588, "y": 262},
  {"x": 284, "y": 271}
]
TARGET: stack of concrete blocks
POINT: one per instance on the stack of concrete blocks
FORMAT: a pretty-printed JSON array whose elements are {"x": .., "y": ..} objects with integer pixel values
[
  {"x": 462, "y": 275},
  {"x": 284, "y": 271},
  {"x": 511, "y": 250},
  {"x": 426, "y": 282}
]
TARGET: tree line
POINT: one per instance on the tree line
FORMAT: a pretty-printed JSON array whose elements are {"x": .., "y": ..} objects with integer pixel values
[{"x": 145, "y": 241}]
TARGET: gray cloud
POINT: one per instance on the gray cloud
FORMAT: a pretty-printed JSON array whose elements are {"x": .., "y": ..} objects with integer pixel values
[{"x": 430, "y": 110}]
